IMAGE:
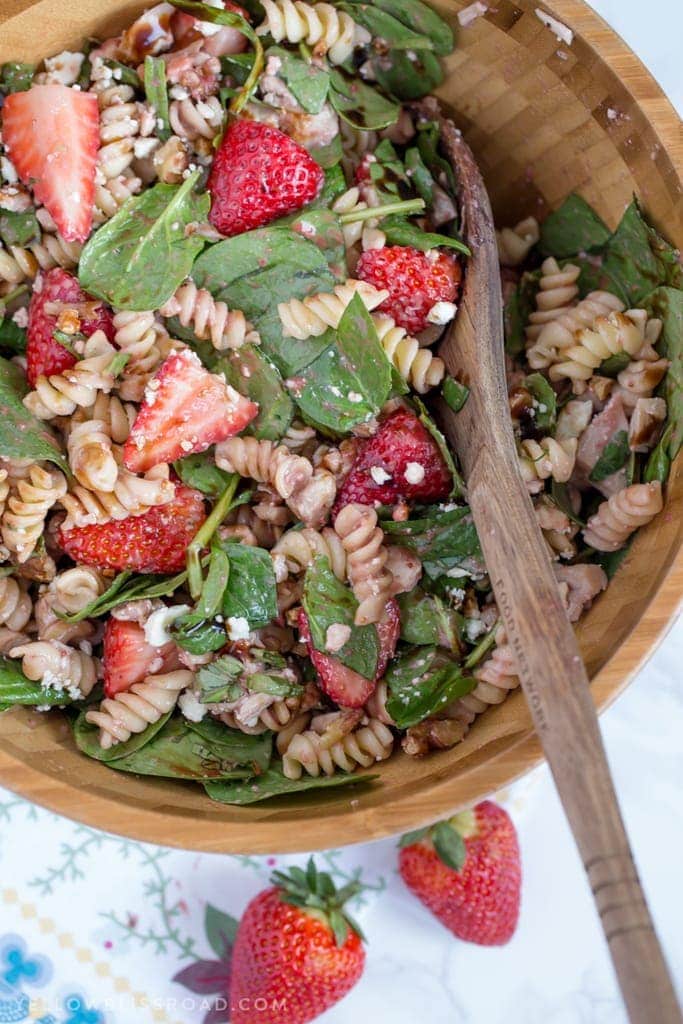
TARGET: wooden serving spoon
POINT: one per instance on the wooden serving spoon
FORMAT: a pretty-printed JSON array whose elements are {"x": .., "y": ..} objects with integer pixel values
[{"x": 550, "y": 666}]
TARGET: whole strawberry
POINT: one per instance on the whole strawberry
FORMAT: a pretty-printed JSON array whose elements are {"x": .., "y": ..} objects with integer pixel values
[
  {"x": 297, "y": 952},
  {"x": 419, "y": 283},
  {"x": 467, "y": 872},
  {"x": 259, "y": 174}
]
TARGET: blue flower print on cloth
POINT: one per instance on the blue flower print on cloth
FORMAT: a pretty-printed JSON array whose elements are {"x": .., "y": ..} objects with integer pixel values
[
  {"x": 19, "y": 970},
  {"x": 79, "y": 1013}
]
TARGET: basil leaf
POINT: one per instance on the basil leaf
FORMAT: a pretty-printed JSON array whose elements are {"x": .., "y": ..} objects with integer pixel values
[
  {"x": 408, "y": 75},
  {"x": 400, "y": 231},
  {"x": 613, "y": 365},
  {"x": 201, "y": 472},
  {"x": 612, "y": 458},
  {"x": 546, "y": 408},
  {"x": 423, "y": 682},
  {"x": 157, "y": 95},
  {"x": 123, "y": 73},
  {"x": 328, "y": 602},
  {"x": 235, "y": 746},
  {"x": 381, "y": 24},
  {"x": 219, "y": 681},
  {"x": 87, "y": 741},
  {"x": 128, "y": 586},
  {"x": 518, "y": 309},
  {"x": 274, "y": 783},
  {"x": 251, "y": 592},
  {"x": 138, "y": 259},
  {"x": 323, "y": 228},
  {"x": 350, "y": 381},
  {"x": 177, "y": 752},
  {"x": 667, "y": 303},
  {"x": 455, "y": 394},
  {"x": 443, "y": 540},
  {"x": 16, "y": 689},
  {"x": 197, "y": 634},
  {"x": 16, "y": 77},
  {"x": 18, "y": 228},
  {"x": 658, "y": 464},
  {"x": 12, "y": 337},
  {"x": 258, "y": 270},
  {"x": 360, "y": 105},
  {"x": 573, "y": 228},
  {"x": 422, "y": 19},
  {"x": 309, "y": 83},
  {"x": 458, "y": 485},
  {"x": 23, "y": 435},
  {"x": 449, "y": 845}
]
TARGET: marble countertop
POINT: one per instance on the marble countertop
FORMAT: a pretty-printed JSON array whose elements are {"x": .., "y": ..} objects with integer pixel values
[{"x": 93, "y": 929}]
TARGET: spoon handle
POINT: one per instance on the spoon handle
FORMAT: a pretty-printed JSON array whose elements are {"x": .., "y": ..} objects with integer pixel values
[{"x": 550, "y": 666}]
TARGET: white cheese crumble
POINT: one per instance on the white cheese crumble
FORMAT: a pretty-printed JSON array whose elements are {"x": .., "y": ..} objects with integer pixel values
[
  {"x": 143, "y": 148},
  {"x": 414, "y": 473},
  {"x": 178, "y": 92},
  {"x": 336, "y": 636},
  {"x": 8, "y": 170},
  {"x": 469, "y": 14},
  {"x": 191, "y": 707},
  {"x": 560, "y": 31},
  {"x": 355, "y": 397},
  {"x": 442, "y": 313},
  {"x": 63, "y": 69},
  {"x": 156, "y": 627},
  {"x": 208, "y": 28},
  {"x": 379, "y": 475},
  {"x": 21, "y": 317},
  {"x": 238, "y": 627},
  {"x": 474, "y": 628}
]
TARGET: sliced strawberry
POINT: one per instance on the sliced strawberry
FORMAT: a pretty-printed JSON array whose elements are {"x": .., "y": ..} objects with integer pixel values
[
  {"x": 416, "y": 282},
  {"x": 186, "y": 409},
  {"x": 406, "y": 452},
  {"x": 218, "y": 40},
  {"x": 258, "y": 174},
  {"x": 127, "y": 657},
  {"x": 154, "y": 542},
  {"x": 343, "y": 685},
  {"x": 52, "y": 135},
  {"x": 44, "y": 355}
]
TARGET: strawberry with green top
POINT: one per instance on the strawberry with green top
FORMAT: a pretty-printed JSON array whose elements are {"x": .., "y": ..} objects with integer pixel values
[
  {"x": 52, "y": 134},
  {"x": 467, "y": 871},
  {"x": 297, "y": 950}
]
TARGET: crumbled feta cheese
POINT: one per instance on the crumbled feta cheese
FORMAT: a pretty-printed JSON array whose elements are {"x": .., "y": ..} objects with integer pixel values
[
  {"x": 207, "y": 28},
  {"x": 191, "y": 707},
  {"x": 469, "y": 14},
  {"x": 178, "y": 92},
  {"x": 355, "y": 397},
  {"x": 143, "y": 148},
  {"x": 63, "y": 69},
  {"x": 336, "y": 636},
  {"x": 473, "y": 629},
  {"x": 442, "y": 313},
  {"x": 379, "y": 475},
  {"x": 238, "y": 627},
  {"x": 560, "y": 31},
  {"x": 414, "y": 473},
  {"x": 20, "y": 317},
  {"x": 8, "y": 170},
  {"x": 156, "y": 627}
]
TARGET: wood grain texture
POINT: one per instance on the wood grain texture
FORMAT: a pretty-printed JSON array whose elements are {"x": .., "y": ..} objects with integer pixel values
[
  {"x": 539, "y": 128},
  {"x": 552, "y": 673}
]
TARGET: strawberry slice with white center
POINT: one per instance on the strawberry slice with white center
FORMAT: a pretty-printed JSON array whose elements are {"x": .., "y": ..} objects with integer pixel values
[
  {"x": 127, "y": 657},
  {"x": 51, "y": 134},
  {"x": 186, "y": 409}
]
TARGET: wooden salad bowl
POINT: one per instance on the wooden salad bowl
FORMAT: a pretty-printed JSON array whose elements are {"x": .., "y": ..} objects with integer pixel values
[{"x": 544, "y": 119}]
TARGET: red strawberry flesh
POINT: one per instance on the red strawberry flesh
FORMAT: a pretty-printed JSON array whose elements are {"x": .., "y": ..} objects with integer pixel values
[
  {"x": 415, "y": 280},
  {"x": 127, "y": 657}
]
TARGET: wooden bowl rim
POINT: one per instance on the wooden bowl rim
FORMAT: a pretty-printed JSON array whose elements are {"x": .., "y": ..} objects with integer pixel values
[{"x": 349, "y": 825}]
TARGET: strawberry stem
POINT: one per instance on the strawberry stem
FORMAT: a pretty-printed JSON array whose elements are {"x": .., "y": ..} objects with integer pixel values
[
  {"x": 405, "y": 206},
  {"x": 203, "y": 536}
]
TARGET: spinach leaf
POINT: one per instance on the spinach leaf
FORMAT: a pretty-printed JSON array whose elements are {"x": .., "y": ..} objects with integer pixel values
[
  {"x": 455, "y": 394},
  {"x": 237, "y": 66},
  {"x": 408, "y": 75},
  {"x": 560, "y": 495},
  {"x": 201, "y": 472},
  {"x": 400, "y": 231},
  {"x": 350, "y": 381},
  {"x": 422, "y": 19},
  {"x": 18, "y": 228},
  {"x": 249, "y": 371},
  {"x": 443, "y": 540},
  {"x": 428, "y": 142},
  {"x": 327, "y": 602},
  {"x": 381, "y": 24},
  {"x": 157, "y": 95},
  {"x": 17, "y": 689},
  {"x": 328, "y": 155},
  {"x": 86, "y": 737},
  {"x": 426, "y": 620},
  {"x": 360, "y": 105},
  {"x": 140, "y": 257},
  {"x": 251, "y": 591},
  {"x": 12, "y": 337},
  {"x": 197, "y": 634},
  {"x": 258, "y": 270},
  {"x": 546, "y": 408},
  {"x": 16, "y": 77},
  {"x": 458, "y": 484},
  {"x": 667, "y": 303},
  {"x": 323, "y": 228},
  {"x": 220, "y": 680},
  {"x": 128, "y": 586},
  {"x": 421, "y": 683},
  {"x": 573, "y": 228},
  {"x": 274, "y": 783},
  {"x": 518, "y": 309},
  {"x": 658, "y": 464},
  {"x": 334, "y": 186},
  {"x": 419, "y": 175},
  {"x": 612, "y": 458},
  {"x": 309, "y": 83},
  {"x": 177, "y": 752},
  {"x": 611, "y": 560},
  {"x": 213, "y": 588},
  {"x": 23, "y": 435},
  {"x": 238, "y": 747},
  {"x": 613, "y": 365}
]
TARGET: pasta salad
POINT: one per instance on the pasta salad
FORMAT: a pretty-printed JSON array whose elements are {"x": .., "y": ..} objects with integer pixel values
[{"x": 235, "y": 547}]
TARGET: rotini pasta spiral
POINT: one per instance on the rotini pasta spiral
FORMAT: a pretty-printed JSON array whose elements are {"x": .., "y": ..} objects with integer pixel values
[
  {"x": 16, "y": 605},
  {"x": 608, "y": 336},
  {"x": 11, "y": 638},
  {"x": 276, "y": 717},
  {"x": 116, "y": 416},
  {"x": 639, "y": 380},
  {"x": 298, "y": 436},
  {"x": 623, "y": 513},
  {"x": 21, "y": 263},
  {"x": 559, "y": 333},
  {"x": 110, "y": 195},
  {"x": 366, "y": 558},
  {"x": 74, "y": 589},
  {"x": 557, "y": 290},
  {"x": 495, "y": 677},
  {"x": 61, "y": 394},
  {"x": 365, "y": 233},
  {"x": 131, "y": 711},
  {"x": 355, "y": 144},
  {"x": 297, "y": 549},
  {"x": 540, "y": 460},
  {"x": 58, "y": 667},
  {"x": 119, "y": 121},
  {"x": 418, "y": 366},
  {"x": 197, "y": 120},
  {"x": 131, "y": 496},
  {"x": 365, "y": 745},
  {"x": 137, "y": 335},
  {"x": 515, "y": 243},
  {"x": 27, "y": 506},
  {"x": 171, "y": 160},
  {"x": 91, "y": 457},
  {"x": 312, "y": 316},
  {"x": 376, "y": 705},
  {"x": 330, "y": 32},
  {"x": 227, "y": 328}
]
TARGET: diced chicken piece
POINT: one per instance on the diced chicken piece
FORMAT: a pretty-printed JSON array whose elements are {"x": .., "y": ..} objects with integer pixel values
[{"x": 597, "y": 435}]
